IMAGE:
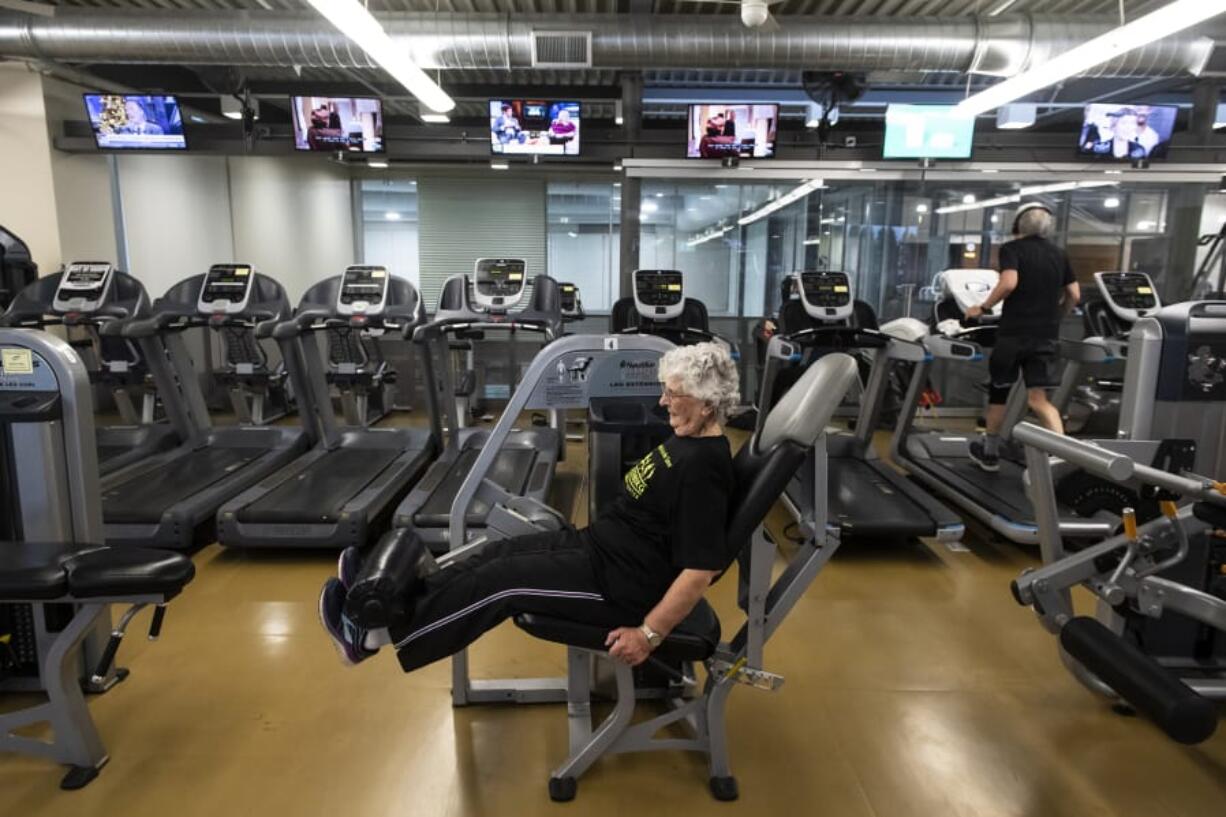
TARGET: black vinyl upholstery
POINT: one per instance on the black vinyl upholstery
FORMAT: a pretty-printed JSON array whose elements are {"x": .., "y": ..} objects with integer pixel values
[
  {"x": 694, "y": 639},
  {"x": 379, "y": 593},
  {"x": 31, "y": 571}
]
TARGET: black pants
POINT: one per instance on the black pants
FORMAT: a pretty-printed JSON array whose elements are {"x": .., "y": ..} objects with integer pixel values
[{"x": 550, "y": 573}]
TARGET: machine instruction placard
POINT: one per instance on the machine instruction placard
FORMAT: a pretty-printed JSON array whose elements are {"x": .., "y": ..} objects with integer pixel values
[{"x": 578, "y": 377}]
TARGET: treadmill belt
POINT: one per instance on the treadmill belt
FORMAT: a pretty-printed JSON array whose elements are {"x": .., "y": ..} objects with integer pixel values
[
  {"x": 319, "y": 492},
  {"x": 1001, "y": 493},
  {"x": 510, "y": 471},
  {"x": 144, "y": 498},
  {"x": 868, "y": 505}
]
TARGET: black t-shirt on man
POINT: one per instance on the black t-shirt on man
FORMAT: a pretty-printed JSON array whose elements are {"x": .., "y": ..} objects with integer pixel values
[
  {"x": 1043, "y": 270},
  {"x": 671, "y": 515}
]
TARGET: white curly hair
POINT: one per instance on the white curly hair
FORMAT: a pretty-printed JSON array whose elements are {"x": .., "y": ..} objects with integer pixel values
[{"x": 705, "y": 371}]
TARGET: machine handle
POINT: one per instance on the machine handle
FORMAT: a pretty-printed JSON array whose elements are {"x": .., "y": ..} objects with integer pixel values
[
  {"x": 108, "y": 657},
  {"x": 1099, "y": 461},
  {"x": 155, "y": 626},
  {"x": 1185, "y": 716}
]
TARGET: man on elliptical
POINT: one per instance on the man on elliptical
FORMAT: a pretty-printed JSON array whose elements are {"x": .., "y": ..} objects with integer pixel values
[{"x": 1036, "y": 289}]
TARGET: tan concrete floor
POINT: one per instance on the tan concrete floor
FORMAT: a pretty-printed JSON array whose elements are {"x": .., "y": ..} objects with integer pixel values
[{"x": 915, "y": 686}]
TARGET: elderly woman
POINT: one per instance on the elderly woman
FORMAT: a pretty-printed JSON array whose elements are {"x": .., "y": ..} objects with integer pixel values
[{"x": 639, "y": 569}]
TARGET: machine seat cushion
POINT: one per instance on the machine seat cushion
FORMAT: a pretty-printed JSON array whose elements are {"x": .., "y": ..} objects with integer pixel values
[
  {"x": 695, "y": 638},
  {"x": 128, "y": 572},
  {"x": 34, "y": 570}
]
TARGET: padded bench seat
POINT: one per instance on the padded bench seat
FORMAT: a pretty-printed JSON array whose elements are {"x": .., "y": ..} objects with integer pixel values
[
  {"x": 694, "y": 639},
  {"x": 35, "y": 571}
]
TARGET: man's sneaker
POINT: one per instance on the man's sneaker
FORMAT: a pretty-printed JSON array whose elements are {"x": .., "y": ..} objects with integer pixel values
[
  {"x": 346, "y": 636},
  {"x": 347, "y": 566},
  {"x": 979, "y": 456}
]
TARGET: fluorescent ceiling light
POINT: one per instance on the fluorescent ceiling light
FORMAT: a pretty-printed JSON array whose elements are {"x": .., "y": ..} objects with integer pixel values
[
  {"x": 1111, "y": 203},
  {"x": 359, "y": 25},
  {"x": 921, "y": 208},
  {"x": 650, "y": 207},
  {"x": 391, "y": 215},
  {"x": 376, "y": 164},
  {"x": 810, "y": 242},
  {"x": 434, "y": 118},
  {"x": 988, "y": 170},
  {"x": 573, "y": 234},
  {"x": 969, "y": 198},
  {"x": 709, "y": 236},
  {"x": 794, "y": 195},
  {"x": 1170, "y": 19},
  {"x": 1145, "y": 225},
  {"x": 617, "y": 167},
  {"x": 499, "y": 165},
  {"x": 1057, "y": 187},
  {"x": 618, "y": 118}
]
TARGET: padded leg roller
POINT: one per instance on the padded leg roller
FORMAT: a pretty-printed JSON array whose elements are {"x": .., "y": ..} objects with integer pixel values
[
  {"x": 1184, "y": 715},
  {"x": 378, "y": 596}
]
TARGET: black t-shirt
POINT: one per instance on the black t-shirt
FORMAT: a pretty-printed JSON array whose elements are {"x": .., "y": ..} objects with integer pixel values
[
  {"x": 671, "y": 515},
  {"x": 1043, "y": 270}
]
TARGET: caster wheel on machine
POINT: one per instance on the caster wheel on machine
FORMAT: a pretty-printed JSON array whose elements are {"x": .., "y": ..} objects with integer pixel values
[{"x": 563, "y": 789}]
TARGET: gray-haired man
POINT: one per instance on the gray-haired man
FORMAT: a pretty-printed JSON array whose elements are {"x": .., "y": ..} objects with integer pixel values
[{"x": 1037, "y": 287}]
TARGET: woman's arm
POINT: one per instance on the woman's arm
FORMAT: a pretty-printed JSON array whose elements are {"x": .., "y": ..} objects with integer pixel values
[{"x": 629, "y": 644}]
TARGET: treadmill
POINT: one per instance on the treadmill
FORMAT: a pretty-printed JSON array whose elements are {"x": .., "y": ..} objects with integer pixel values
[
  {"x": 1093, "y": 408},
  {"x": 170, "y": 499},
  {"x": 95, "y": 296},
  {"x": 526, "y": 463},
  {"x": 341, "y": 492},
  {"x": 571, "y": 303},
  {"x": 940, "y": 460},
  {"x": 17, "y": 267},
  {"x": 867, "y": 499}
]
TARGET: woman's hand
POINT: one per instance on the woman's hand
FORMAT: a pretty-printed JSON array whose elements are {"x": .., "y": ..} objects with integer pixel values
[{"x": 628, "y": 645}]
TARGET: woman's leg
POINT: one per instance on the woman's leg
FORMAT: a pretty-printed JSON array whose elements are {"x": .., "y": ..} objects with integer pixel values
[{"x": 548, "y": 573}]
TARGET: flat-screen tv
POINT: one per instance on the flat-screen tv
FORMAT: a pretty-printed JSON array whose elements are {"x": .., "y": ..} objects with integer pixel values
[
  {"x": 927, "y": 132},
  {"x": 743, "y": 130},
  {"x": 135, "y": 122},
  {"x": 331, "y": 123},
  {"x": 1126, "y": 132},
  {"x": 534, "y": 127}
]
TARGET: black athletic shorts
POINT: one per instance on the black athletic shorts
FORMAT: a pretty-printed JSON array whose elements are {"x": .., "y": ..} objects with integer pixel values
[{"x": 1034, "y": 358}]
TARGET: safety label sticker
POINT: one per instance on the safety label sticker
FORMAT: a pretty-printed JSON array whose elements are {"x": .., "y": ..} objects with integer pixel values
[{"x": 16, "y": 361}]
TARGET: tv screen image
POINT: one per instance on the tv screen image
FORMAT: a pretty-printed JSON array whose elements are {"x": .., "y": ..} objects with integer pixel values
[
  {"x": 1126, "y": 132},
  {"x": 330, "y": 123},
  {"x": 927, "y": 132},
  {"x": 134, "y": 122},
  {"x": 534, "y": 127},
  {"x": 722, "y": 130}
]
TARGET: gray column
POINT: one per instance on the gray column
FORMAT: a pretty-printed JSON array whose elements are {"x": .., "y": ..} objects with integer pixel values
[
  {"x": 1183, "y": 220},
  {"x": 1206, "y": 95},
  {"x": 632, "y": 110}
]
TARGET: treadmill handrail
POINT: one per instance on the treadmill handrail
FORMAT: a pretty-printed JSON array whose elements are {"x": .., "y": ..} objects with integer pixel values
[{"x": 444, "y": 326}]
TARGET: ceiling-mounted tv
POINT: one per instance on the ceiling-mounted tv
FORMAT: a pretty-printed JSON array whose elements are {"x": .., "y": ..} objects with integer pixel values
[
  {"x": 740, "y": 130},
  {"x": 927, "y": 132},
  {"x": 1126, "y": 132},
  {"x": 538, "y": 127},
  {"x": 337, "y": 123},
  {"x": 135, "y": 122}
]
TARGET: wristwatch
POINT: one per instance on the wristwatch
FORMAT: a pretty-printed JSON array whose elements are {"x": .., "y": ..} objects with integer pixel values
[{"x": 654, "y": 639}]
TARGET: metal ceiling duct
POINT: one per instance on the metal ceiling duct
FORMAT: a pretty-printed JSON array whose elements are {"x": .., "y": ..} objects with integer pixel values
[{"x": 998, "y": 46}]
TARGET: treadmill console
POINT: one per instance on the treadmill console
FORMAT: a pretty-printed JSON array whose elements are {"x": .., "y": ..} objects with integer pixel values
[
  {"x": 1130, "y": 295},
  {"x": 659, "y": 294},
  {"x": 83, "y": 286},
  {"x": 226, "y": 289},
  {"x": 498, "y": 283},
  {"x": 969, "y": 287},
  {"x": 363, "y": 291},
  {"x": 570, "y": 300},
  {"x": 826, "y": 295}
]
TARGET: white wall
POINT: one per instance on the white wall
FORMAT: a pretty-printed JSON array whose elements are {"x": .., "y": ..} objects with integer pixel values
[
  {"x": 28, "y": 206},
  {"x": 176, "y": 215},
  {"x": 83, "y": 206},
  {"x": 293, "y": 218},
  {"x": 393, "y": 244}
]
